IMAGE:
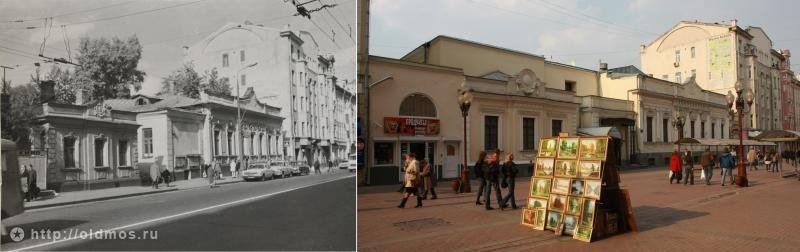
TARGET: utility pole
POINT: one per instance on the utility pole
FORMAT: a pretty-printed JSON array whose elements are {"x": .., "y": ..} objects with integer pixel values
[{"x": 4, "y": 76}]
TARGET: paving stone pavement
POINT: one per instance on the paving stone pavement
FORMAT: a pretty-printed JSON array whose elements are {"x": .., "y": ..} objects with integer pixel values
[{"x": 670, "y": 217}]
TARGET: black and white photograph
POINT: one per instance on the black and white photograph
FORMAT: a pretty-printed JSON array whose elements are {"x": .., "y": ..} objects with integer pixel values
[{"x": 179, "y": 125}]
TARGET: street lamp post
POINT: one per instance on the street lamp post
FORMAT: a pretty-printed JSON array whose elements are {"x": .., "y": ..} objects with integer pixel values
[
  {"x": 240, "y": 143},
  {"x": 464, "y": 102},
  {"x": 678, "y": 122},
  {"x": 742, "y": 97}
]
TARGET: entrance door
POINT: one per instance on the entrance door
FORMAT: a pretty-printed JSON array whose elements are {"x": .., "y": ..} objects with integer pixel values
[
  {"x": 451, "y": 161},
  {"x": 421, "y": 150}
]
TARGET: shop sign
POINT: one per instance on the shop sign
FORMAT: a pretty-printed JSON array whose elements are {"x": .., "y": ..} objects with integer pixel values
[{"x": 411, "y": 126}]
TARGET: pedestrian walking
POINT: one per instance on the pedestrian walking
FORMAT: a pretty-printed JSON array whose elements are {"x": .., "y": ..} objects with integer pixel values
[
  {"x": 675, "y": 167},
  {"x": 33, "y": 191},
  {"x": 155, "y": 172},
  {"x": 726, "y": 162},
  {"x": 478, "y": 170},
  {"x": 492, "y": 171},
  {"x": 707, "y": 162},
  {"x": 688, "y": 163},
  {"x": 212, "y": 173},
  {"x": 232, "y": 167},
  {"x": 752, "y": 158},
  {"x": 411, "y": 179},
  {"x": 316, "y": 167},
  {"x": 428, "y": 182},
  {"x": 166, "y": 176},
  {"x": 510, "y": 171}
]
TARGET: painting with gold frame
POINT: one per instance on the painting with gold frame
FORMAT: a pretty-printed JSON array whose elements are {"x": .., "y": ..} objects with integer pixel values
[
  {"x": 558, "y": 202},
  {"x": 574, "y": 205},
  {"x": 583, "y": 233},
  {"x": 587, "y": 212},
  {"x": 592, "y": 188},
  {"x": 570, "y": 222},
  {"x": 540, "y": 187},
  {"x": 528, "y": 217},
  {"x": 534, "y": 203},
  {"x": 539, "y": 218},
  {"x": 544, "y": 167},
  {"x": 568, "y": 147},
  {"x": 566, "y": 168},
  {"x": 590, "y": 169},
  {"x": 593, "y": 148},
  {"x": 553, "y": 219},
  {"x": 560, "y": 185},
  {"x": 548, "y": 147}
]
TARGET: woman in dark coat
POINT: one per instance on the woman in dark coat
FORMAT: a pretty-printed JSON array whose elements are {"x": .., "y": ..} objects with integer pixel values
[
  {"x": 427, "y": 180},
  {"x": 478, "y": 168}
]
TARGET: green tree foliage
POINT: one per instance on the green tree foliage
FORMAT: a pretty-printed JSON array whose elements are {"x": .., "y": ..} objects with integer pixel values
[
  {"x": 109, "y": 67},
  {"x": 186, "y": 81}
]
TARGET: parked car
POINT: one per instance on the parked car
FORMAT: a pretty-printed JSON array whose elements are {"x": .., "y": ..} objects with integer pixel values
[
  {"x": 258, "y": 172},
  {"x": 344, "y": 164},
  {"x": 280, "y": 169},
  {"x": 353, "y": 163},
  {"x": 12, "y": 185},
  {"x": 295, "y": 168},
  {"x": 303, "y": 168}
]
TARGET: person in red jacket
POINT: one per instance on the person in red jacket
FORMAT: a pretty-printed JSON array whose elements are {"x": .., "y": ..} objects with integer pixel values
[{"x": 675, "y": 167}]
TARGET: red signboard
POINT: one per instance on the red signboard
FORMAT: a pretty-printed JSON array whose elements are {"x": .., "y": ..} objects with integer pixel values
[{"x": 410, "y": 126}]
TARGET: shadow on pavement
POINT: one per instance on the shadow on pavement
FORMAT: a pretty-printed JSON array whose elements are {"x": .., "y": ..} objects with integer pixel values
[
  {"x": 651, "y": 217},
  {"x": 48, "y": 225}
]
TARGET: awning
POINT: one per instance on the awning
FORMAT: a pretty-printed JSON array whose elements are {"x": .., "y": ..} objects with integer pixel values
[
  {"x": 600, "y": 131},
  {"x": 722, "y": 142},
  {"x": 779, "y": 136}
]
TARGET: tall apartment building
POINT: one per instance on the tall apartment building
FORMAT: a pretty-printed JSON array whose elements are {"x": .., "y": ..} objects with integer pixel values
[
  {"x": 719, "y": 55},
  {"x": 290, "y": 72}
]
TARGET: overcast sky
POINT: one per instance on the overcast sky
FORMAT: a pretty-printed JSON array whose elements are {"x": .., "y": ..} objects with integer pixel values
[
  {"x": 579, "y": 32},
  {"x": 163, "y": 28}
]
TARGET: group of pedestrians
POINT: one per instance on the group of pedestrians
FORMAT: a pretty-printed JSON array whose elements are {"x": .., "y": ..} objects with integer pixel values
[
  {"x": 417, "y": 180},
  {"x": 488, "y": 171},
  {"x": 31, "y": 189},
  {"x": 681, "y": 165}
]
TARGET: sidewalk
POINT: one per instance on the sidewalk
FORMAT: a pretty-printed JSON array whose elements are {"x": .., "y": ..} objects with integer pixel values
[
  {"x": 76, "y": 197},
  {"x": 670, "y": 217}
]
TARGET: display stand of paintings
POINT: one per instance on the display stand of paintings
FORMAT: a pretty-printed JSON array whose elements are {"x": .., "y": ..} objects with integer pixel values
[{"x": 568, "y": 185}]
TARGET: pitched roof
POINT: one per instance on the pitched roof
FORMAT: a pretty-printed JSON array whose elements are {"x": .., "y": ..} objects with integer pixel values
[
  {"x": 167, "y": 101},
  {"x": 624, "y": 71}
]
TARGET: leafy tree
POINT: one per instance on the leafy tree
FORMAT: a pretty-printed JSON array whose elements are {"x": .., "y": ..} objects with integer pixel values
[
  {"x": 18, "y": 120},
  {"x": 109, "y": 67},
  {"x": 65, "y": 87},
  {"x": 186, "y": 81}
]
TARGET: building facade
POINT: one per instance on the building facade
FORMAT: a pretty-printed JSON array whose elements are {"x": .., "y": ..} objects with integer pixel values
[
  {"x": 290, "y": 72},
  {"x": 718, "y": 55}
]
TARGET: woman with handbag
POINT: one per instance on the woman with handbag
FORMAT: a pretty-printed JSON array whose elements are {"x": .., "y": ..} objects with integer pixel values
[{"x": 411, "y": 180}]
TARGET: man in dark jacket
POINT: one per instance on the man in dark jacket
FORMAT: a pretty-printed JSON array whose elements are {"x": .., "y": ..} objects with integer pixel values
[
  {"x": 726, "y": 162},
  {"x": 707, "y": 162},
  {"x": 492, "y": 173},
  {"x": 509, "y": 179},
  {"x": 687, "y": 163},
  {"x": 478, "y": 170}
]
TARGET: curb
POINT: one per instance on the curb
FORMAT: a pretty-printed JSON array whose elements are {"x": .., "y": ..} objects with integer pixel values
[{"x": 120, "y": 196}]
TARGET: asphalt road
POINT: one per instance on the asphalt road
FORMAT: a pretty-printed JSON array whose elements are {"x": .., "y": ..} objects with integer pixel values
[{"x": 315, "y": 212}]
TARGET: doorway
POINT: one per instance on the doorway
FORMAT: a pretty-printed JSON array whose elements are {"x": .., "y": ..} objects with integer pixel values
[
  {"x": 451, "y": 161},
  {"x": 421, "y": 150}
]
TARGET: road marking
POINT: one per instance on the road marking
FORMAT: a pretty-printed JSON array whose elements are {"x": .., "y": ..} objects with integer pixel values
[{"x": 95, "y": 234}]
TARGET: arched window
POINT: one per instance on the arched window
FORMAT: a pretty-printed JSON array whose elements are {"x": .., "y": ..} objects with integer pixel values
[{"x": 417, "y": 105}]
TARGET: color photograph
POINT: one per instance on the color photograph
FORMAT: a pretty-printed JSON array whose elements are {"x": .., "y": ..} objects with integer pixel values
[
  {"x": 544, "y": 167},
  {"x": 568, "y": 147},
  {"x": 589, "y": 169},
  {"x": 540, "y": 187},
  {"x": 557, "y": 202},
  {"x": 547, "y": 147},
  {"x": 593, "y": 148},
  {"x": 566, "y": 168},
  {"x": 560, "y": 185}
]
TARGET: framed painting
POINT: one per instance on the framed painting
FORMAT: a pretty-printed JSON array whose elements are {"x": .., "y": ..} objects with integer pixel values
[
  {"x": 528, "y": 217},
  {"x": 583, "y": 233},
  {"x": 566, "y": 168},
  {"x": 548, "y": 147},
  {"x": 534, "y": 203},
  {"x": 544, "y": 167},
  {"x": 560, "y": 185},
  {"x": 587, "y": 214},
  {"x": 576, "y": 187},
  {"x": 570, "y": 222},
  {"x": 592, "y": 189},
  {"x": 574, "y": 205},
  {"x": 539, "y": 218},
  {"x": 568, "y": 147},
  {"x": 557, "y": 202},
  {"x": 593, "y": 148},
  {"x": 540, "y": 187},
  {"x": 553, "y": 219},
  {"x": 590, "y": 169}
]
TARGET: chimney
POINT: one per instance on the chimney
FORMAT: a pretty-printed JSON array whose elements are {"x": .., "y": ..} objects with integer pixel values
[
  {"x": 733, "y": 23},
  {"x": 603, "y": 66},
  {"x": 47, "y": 92}
]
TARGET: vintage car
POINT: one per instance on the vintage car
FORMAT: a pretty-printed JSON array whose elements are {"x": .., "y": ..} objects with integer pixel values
[
  {"x": 280, "y": 168},
  {"x": 301, "y": 168},
  {"x": 352, "y": 163},
  {"x": 258, "y": 171}
]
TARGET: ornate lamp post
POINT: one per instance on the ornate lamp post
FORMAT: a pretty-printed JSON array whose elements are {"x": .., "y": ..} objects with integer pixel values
[
  {"x": 739, "y": 101},
  {"x": 464, "y": 102},
  {"x": 677, "y": 122}
]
